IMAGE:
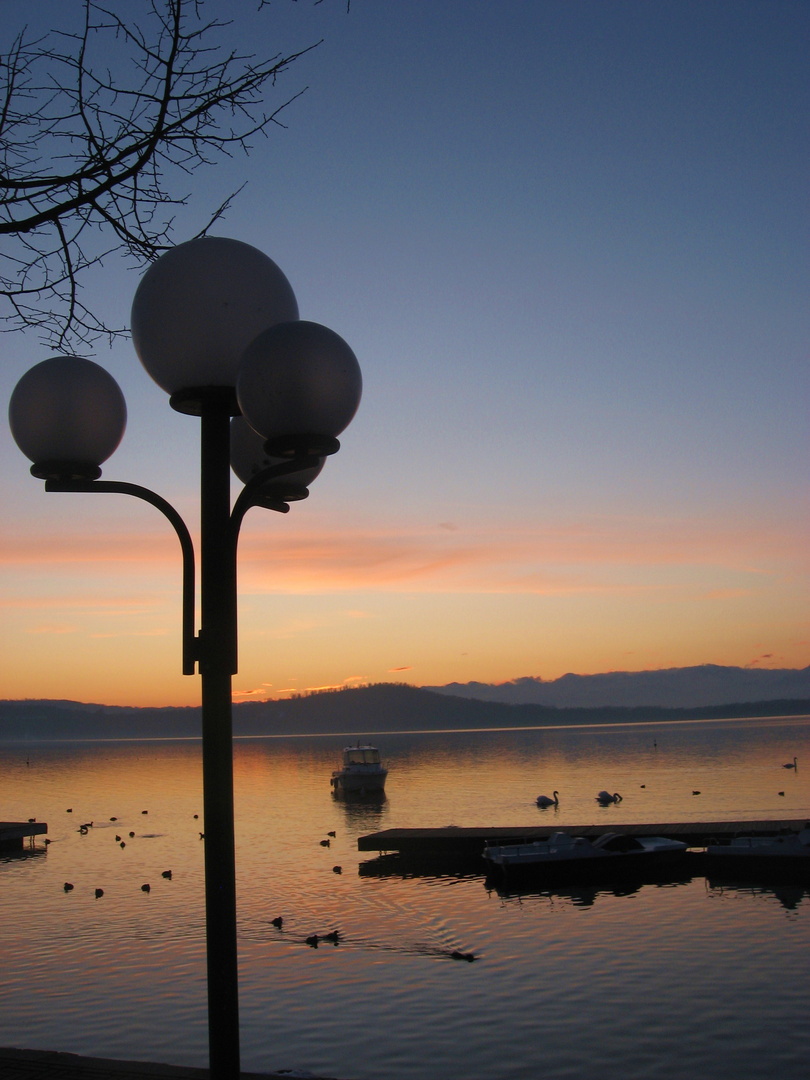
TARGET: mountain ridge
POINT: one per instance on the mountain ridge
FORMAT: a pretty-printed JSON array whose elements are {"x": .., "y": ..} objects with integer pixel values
[
  {"x": 378, "y": 708},
  {"x": 689, "y": 687}
]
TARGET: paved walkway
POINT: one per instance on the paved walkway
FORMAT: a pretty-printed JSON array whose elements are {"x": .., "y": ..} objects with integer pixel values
[{"x": 50, "y": 1065}]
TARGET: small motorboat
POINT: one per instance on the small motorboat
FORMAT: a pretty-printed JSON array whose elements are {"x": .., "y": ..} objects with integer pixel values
[
  {"x": 362, "y": 773},
  {"x": 610, "y": 853},
  {"x": 788, "y": 854}
]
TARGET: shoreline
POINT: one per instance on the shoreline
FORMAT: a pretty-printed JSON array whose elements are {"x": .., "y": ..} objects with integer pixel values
[{"x": 18, "y": 1064}]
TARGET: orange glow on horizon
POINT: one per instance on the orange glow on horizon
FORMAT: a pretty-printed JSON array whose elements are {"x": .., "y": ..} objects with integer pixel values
[{"x": 323, "y": 610}]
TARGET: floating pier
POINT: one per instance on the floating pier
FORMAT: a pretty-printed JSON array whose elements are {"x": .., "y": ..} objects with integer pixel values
[
  {"x": 456, "y": 843},
  {"x": 13, "y": 834}
]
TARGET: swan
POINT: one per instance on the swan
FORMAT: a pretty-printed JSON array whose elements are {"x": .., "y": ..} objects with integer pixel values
[
  {"x": 793, "y": 766},
  {"x": 543, "y": 800},
  {"x": 604, "y": 797}
]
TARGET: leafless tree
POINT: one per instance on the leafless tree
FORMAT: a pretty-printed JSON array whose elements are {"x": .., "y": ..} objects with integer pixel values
[{"x": 100, "y": 128}]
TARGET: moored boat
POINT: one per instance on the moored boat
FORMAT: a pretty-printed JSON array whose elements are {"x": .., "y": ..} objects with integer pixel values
[
  {"x": 362, "y": 771},
  {"x": 610, "y": 853},
  {"x": 788, "y": 854}
]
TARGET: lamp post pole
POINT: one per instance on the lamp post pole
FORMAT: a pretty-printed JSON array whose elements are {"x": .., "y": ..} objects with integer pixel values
[
  {"x": 217, "y": 664},
  {"x": 215, "y": 323}
]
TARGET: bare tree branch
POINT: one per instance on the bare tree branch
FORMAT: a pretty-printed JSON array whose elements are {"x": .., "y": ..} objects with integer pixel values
[{"x": 97, "y": 126}]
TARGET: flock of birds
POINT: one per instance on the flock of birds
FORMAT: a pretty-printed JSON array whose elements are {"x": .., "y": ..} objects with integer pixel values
[
  {"x": 313, "y": 940},
  {"x": 605, "y": 798},
  {"x": 85, "y": 828}
]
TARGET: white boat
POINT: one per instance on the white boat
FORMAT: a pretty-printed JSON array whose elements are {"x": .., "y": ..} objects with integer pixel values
[
  {"x": 789, "y": 852},
  {"x": 362, "y": 772},
  {"x": 611, "y": 852}
]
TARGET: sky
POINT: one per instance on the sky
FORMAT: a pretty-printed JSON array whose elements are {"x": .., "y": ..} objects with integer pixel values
[{"x": 568, "y": 242}]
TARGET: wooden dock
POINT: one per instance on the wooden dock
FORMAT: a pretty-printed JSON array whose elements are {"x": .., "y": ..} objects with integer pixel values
[
  {"x": 455, "y": 843},
  {"x": 14, "y": 833}
]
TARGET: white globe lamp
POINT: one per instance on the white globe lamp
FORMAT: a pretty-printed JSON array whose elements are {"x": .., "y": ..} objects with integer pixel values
[
  {"x": 299, "y": 385},
  {"x": 67, "y": 415},
  {"x": 196, "y": 310}
]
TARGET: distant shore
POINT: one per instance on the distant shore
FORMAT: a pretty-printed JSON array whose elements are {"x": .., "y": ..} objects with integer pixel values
[{"x": 386, "y": 707}]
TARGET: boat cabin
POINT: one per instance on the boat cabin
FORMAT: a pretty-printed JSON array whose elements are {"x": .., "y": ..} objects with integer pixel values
[{"x": 361, "y": 755}]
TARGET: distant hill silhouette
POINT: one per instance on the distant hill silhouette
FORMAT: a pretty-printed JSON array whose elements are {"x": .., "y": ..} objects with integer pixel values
[
  {"x": 690, "y": 687},
  {"x": 384, "y": 707}
]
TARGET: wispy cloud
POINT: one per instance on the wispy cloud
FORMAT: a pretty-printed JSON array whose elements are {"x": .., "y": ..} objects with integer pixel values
[
  {"x": 559, "y": 558},
  {"x": 267, "y": 691},
  {"x": 765, "y": 660},
  {"x": 610, "y": 555},
  {"x": 64, "y": 550}
]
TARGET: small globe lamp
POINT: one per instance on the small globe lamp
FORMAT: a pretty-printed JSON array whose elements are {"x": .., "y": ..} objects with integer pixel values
[
  {"x": 249, "y": 460},
  {"x": 67, "y": 415}
]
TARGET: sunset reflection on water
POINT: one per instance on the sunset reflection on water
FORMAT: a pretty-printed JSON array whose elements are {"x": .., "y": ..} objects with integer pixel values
[{"x": 124, "y": 975}]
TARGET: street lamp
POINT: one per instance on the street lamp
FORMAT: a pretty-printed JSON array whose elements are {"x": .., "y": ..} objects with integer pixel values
[{"x": 215, "y": 323}]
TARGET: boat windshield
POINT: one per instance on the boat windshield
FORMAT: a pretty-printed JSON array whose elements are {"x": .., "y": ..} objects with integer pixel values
[{"x": 361, "y": 755}]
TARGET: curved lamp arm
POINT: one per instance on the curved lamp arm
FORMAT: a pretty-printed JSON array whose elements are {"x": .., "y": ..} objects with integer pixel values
[
  {"x": 251, "y": 493},
  {"x": 190, "y": 641}
]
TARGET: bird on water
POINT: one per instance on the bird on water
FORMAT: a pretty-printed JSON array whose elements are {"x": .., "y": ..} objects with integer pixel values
[
  {"x": 543, "y": 800},
  {"x": 605, "y": 798},
  {"x": 795, "y": 764}
]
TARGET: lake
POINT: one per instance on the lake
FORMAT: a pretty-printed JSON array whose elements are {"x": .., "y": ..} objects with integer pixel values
[{"x": 662, "y": 981}]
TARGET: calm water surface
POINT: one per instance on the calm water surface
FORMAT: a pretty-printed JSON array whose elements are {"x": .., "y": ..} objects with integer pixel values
[{"x": 684, "y": 979}]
